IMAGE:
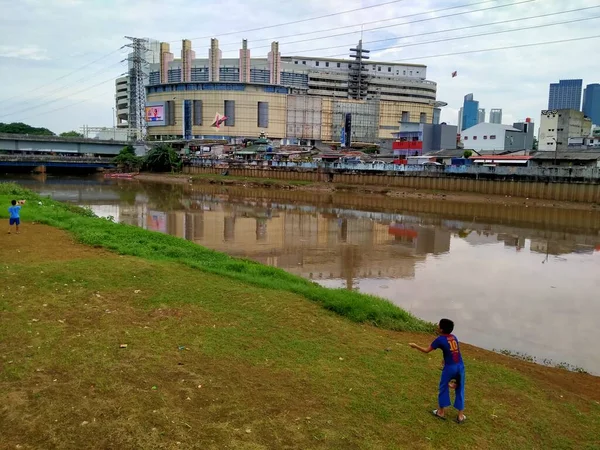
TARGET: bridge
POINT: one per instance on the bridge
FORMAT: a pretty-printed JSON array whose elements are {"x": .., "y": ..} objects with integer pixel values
[
  {"x": 28, "y": 144},
  {"x": 39, "y": 163}
]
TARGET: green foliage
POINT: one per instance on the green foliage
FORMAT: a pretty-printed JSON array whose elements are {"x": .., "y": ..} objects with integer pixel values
[
  {"x": 130, "y": 240},
  {"x": 371, "y": 150},
  {"x": 22, "y": 128},
  {"x": 467, "y": 154},
  {"x": 162, "y": 158},
  {"x": 535, "y": 144},
  {"x": 71, "y": 134},
  {"x": 127, "y": 161}
]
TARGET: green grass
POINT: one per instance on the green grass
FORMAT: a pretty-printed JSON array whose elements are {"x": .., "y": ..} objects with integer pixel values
[
  {"x": 215, "y": 361},
  {"x": 134, "y": 241}
]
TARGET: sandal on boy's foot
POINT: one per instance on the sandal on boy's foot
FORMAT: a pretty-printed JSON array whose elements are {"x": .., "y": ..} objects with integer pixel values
[
  {"x": 435, "y": 413},
  {"x": 458, "y": 421}
]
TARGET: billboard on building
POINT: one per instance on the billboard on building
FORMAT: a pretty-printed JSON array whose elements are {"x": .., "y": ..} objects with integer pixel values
[
  {"x": 155, "y": 114},
  {"x": 156, "y": 221}
]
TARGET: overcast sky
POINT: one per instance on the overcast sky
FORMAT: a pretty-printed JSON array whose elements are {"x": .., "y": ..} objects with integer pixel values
[{"x": 45, "y": 43}]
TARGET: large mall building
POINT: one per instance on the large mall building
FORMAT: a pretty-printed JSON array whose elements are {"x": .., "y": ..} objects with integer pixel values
[{"x": 293, "y": 99}]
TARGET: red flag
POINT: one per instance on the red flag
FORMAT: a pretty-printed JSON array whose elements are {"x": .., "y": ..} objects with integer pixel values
[{"x": 454, "y": 74}]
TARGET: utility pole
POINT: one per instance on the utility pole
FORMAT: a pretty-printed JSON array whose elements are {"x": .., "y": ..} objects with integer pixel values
[{"x": 137, "y": 87}]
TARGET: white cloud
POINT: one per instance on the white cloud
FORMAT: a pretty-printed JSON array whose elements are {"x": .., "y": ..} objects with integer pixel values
[
  {"x": 32, "y": 52},
  {"x": 63, "y": 35}
]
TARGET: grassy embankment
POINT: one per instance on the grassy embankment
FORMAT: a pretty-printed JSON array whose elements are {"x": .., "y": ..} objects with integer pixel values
[{"x": 233, "y": 356}]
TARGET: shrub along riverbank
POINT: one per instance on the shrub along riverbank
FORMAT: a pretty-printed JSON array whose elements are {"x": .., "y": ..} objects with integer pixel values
[
  {"x": 101, "y": 350},
  {"x": 135, "y": 241}
]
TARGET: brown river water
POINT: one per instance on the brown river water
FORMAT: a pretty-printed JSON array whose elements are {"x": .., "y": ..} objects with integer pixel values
[{"x": 517, "y": 278}]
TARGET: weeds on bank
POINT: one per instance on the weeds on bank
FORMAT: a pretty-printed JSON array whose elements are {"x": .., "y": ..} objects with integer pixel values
[
  {"x": 544, "y": 361},
  {"x": 208, "y": 177},
  {"x": 134, "y": 241}
]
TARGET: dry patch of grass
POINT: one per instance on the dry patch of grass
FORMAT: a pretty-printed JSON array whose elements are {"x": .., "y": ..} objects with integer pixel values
[{"x": 215, "y": 363}]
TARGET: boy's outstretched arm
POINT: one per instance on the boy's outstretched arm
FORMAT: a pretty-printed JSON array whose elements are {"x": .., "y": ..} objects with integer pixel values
[{"x": 422, "y": 349}]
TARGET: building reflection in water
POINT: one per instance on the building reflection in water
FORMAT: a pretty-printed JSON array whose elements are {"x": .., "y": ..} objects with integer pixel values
[{"x": 333, "y": 244}]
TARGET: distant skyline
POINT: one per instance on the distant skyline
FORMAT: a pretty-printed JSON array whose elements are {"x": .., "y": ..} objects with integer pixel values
[
  {"x": 45, "y": 41},
  {"x": 566, "y": 94}
]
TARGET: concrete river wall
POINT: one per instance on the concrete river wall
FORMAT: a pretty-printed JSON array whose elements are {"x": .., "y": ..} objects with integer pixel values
[{"x": 489, "y": 185}]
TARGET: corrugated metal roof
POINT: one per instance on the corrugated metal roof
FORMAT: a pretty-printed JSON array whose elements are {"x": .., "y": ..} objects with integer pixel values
[
  {"x": 569, "y": 156},
  {"x": 501, "y": 157}
]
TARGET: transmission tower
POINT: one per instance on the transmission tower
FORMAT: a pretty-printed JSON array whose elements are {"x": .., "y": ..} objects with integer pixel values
[
  {"x": 137, "y": 87},
  {"x": 358, "y": 77}
]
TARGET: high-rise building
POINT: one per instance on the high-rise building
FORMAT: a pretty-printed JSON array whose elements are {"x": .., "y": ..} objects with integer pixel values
[
  {"x": 296, "y": 99},
  {"x": 558, "y": 126},
  {"x": 496, "y": 115},
  {"x": 566, "y": 94},
  {"x": 481, "y": 115},
  {"x": 470, "y": 116},
  {"x": 591, "y": 102},
  {"x": 460, "y": 117}
]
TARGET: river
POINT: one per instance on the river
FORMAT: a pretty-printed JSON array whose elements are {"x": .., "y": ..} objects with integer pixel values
[{"x": 514, "y": 278}]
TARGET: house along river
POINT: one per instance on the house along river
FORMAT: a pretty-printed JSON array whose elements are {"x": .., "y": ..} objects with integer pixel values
[{"x": 513, "y": 277}]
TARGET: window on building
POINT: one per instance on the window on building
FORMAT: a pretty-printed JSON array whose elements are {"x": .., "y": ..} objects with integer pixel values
[
  {"x": 411, "y": 73},
  {"x": 304, "y": 62},
  {"x": 466, "y": 138},
  {"x": 493, "y": 136},
  {"x": 474, "y": 138},
  {"x": 326, "y": 64},
  {"x": 404, "y": 72},
  {"x": 379, "y": 69},
  {"x": 339, "y": 65},
  {"x": 317, "y": 64},
  {"x": 423, "y": 117},
  {"x": 229, "y": 111},
  {"x": 485, "y": 137},
  {"x": 263, "y": 115},
  {"x": 389, "y": 69},
  {"x": 405, "y": 116},
  {"x": 197, "y": 112},
  {"x": 295, "y": 62}
]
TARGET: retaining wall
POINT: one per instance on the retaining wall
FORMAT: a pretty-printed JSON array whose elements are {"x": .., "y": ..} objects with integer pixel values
[{"x": 574, "y": 192}]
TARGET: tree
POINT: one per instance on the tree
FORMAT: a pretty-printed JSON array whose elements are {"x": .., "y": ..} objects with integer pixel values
[
  {"x": 535, "y": 144},
  {"x": 162, "y": 158},
  {"x": 467, "y": 154},
  {"x": 71, "y": 134},
  {"x": 127, "y": 160},
  {"x": 23, "y": 128}
]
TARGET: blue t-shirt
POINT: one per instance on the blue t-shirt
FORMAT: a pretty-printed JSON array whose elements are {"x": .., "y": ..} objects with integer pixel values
[
  {"x": 14, "y": 211},
  {"x": 450, "y": 348}
]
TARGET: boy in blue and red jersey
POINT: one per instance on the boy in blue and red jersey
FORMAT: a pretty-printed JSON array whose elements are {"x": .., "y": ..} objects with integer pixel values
[{"x": 454, "y": 369}]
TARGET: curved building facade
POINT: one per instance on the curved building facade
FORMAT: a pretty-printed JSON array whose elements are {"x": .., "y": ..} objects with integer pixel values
[{"x": 291, "y": 98}]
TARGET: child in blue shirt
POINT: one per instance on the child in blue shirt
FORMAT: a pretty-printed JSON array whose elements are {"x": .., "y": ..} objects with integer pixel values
[
  {"x": 454, "y": 369},
  {"x": 14, "y": 212}
]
